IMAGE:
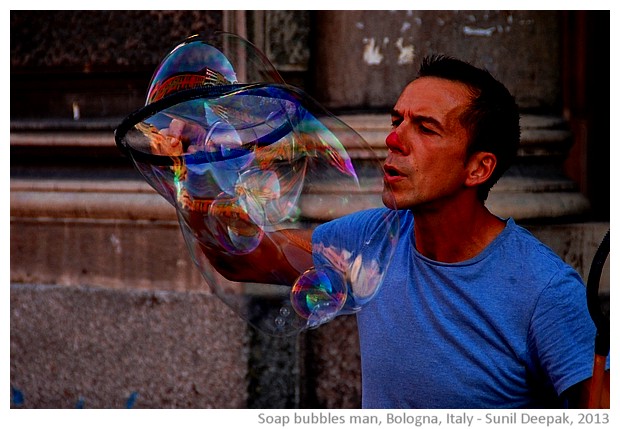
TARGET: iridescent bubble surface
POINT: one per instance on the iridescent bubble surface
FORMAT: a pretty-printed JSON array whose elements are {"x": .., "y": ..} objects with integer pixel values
[
  {"x": 315, "y": 298},
  {"x": 251, "y": 165}
]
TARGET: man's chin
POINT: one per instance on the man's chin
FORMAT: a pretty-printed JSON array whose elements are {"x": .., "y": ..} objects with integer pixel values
[{"x": 388, "y": 200}]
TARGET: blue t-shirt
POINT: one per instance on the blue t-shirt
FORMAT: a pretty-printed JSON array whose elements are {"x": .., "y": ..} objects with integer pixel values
[{"x": 508, "y": 328}]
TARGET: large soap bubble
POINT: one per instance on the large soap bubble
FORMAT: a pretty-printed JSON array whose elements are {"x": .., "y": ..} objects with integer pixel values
[{"x": 236, "y": 151}]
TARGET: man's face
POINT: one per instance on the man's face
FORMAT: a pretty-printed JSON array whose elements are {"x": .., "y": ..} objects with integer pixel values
[{"x": 427, "y": 147}]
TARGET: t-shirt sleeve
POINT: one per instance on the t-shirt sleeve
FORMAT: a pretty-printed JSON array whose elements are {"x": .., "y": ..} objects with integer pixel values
[
  {"x": 355, "y": 231},
  {"x": 562, "y": 333},
  {"x": 355, "y": 250}
]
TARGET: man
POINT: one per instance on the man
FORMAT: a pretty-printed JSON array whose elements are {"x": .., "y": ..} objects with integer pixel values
[{"x": 474, "y": 311}]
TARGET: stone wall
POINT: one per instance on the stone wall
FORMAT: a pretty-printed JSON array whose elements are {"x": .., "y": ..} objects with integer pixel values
[{"x": 367, "y": 57}]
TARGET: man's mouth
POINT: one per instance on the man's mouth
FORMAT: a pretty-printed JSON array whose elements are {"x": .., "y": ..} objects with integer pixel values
[{"x": 391, "y": 173}]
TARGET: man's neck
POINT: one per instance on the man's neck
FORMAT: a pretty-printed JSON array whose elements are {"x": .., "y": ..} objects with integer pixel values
[{"x": 455, "y": 235}]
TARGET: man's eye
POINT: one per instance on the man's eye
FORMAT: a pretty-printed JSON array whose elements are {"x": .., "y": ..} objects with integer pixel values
[
  {"x": 426, "y": 130},
  {"x": 396, "y": 122}
]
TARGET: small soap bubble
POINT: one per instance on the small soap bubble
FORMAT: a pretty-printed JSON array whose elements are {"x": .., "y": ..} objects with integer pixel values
[{"x": 315, "y": 298}]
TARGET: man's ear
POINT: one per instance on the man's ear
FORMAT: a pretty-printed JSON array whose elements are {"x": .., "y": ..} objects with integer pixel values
[{"x": 480, "y": 167}]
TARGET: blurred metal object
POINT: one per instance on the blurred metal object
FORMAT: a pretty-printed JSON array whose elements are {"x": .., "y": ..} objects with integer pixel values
[{"x": 601, "y": 344}]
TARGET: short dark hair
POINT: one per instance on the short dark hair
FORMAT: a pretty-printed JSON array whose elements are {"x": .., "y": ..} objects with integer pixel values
[{"x": 492, "y": 119}]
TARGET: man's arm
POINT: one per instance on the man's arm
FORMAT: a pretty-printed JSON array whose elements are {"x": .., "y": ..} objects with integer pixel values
[
  {"x": 279, "y": 258},
  {"x": 590, "y": 393}
]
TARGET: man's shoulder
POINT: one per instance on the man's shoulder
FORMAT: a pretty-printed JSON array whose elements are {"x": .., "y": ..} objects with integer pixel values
[
  {"x": 366, "y": 223},
  {"x": 523, "y": 244}
]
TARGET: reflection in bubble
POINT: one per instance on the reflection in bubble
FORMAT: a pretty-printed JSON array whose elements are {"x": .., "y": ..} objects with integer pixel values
[
  {"x": 232, "y": 226},
  {"x": 256, "y": 190},
  {"x": 364, "y": 277},
  {"x": 188, "y": 65}
]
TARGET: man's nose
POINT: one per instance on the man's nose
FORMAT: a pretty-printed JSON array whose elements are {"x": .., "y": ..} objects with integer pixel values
[{"x": 393, "y": 143}]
